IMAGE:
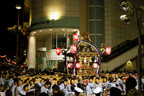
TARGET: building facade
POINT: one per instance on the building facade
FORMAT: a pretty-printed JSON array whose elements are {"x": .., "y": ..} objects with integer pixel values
[{"x": 52, "y": 23}]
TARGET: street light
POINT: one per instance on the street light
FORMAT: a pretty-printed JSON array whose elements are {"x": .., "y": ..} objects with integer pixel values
[
  {"x": 127, "y": 6},
  {"x": 18, "y": 7}
]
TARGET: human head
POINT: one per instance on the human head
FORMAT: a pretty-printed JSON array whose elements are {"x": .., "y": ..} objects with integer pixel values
[
  {"x": 8, "y": 93},
  {"x": 19, "y": 83},
  {"x": 111, "y": 79},
  {"x": 85, "y": 83},
  {"x": 42, "y": 81},
  {"x": 47, "y": 84},
  {"x": 56, "y": 89},
  {"x": 97, "y": 80},
  {"x": 130, "y": 83},
  {"x": 65, "y": 82},
  {"x": 105, "y": 79},
  {"x": 54, "y": 81},
  {"x": 91, "y": 79},
  {"x": 115, "y": 91}
]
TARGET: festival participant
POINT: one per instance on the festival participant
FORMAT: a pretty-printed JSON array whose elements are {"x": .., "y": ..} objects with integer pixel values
[
  {"x": 19, "y": 89},
  {"x": 10, "y": 82},
  {"x": 73, "y": 82},
  {"x": 98, "y": 83},
  {"x": 54, "y": 81},
  {"x": 97, "y": 91},
  {"x": 104, "y": 82},
  {"x": 91, "y": 83},
  {"x": 8, "y": 93},
  {"x": 14, "y": 87},
  {"x": 42, "y": 82},
  {"x": 87, "y": 90},
  {"x": 57, "y": 91},
  {"x": 109, "y": 85},
  {"x": 80, "y": 84},
  {"x": 78, "y": 91},
  {"x": 118, "y": 82},
  {"x": 1, "y": 79},
  {"x": 130, "y": 87},
  {"x": 45, "y": 88}
]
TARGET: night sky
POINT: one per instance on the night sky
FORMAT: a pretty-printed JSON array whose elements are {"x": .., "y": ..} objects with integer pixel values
[{"x": 8, "y": 18}]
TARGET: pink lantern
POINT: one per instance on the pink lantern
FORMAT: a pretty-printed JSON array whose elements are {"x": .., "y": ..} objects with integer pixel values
[
  {"x": 58, "y": 51},
  {"x": 108, "y": 50},
  {"x": 78, "y": 65},
  {"x": 75, "y": 37},
  {"x": 73, "y": 49},
  {"x": 95, "y": 65},
  {"x": 69, "y": 65}
]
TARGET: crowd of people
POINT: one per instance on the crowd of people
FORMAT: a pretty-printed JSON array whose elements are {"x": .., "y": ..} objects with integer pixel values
[{"x": 29, "y": 82}]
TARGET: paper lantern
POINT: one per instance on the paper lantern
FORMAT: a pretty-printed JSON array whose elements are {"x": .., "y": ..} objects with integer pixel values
[
  {"x": 58, "y": 51},
  {"x": 69, "y": 65},
  {"x": 108, "y": 50},
  {"x": 73, "y": 49},
  {"x": 75, "y": 37},
  {"x": 78, "y": 65},
  {"x": 95, "y": 65}
]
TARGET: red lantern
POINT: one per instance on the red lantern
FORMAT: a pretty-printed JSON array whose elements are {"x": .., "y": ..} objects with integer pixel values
[
  {"x": 95, "y": 65},
  {"x": 78, "y": 65},
  {"x": 69, "y": 65},
  {"x": 58, "y": 51},
  {"x": 75, "y": 37},
  {"x": 73, "y": 49},
  {"x": 108, "y": 50}
]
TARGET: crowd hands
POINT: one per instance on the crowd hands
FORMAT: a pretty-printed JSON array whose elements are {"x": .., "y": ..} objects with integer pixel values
[{"x": 46, "y": 83}]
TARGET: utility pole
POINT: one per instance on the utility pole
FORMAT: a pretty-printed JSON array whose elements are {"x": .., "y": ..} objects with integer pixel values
[{"x": 18, "y": 7}]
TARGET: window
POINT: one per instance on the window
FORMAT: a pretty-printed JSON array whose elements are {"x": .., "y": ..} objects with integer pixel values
[
  {"x": 99, "y": 27},
  {"x": 96, "y": 21},
  {"x": 61, "y": 41},
  {"x": 96, "y": 40},
  {"x": 54, "y": 42}
]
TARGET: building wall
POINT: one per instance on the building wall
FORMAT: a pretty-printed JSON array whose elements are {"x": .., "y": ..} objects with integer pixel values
[
  {"x": 55, "y": 13},
  {"x": 116, "y": 31}
]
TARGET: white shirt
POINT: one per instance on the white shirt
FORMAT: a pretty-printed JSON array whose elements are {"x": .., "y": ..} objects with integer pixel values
[
  {"x": 20, "y": 91},
  {"x": 43, "y": 89},
  {"x": 13, "y": 89}
]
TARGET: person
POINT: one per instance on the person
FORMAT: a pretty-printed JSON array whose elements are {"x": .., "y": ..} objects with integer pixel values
[
  {"x": 19, "y": 89},
  {"x": 10, "y": 82},
  {"x": 42, "y": 82},
  {"x": 14, "y": 87},
  {"x": 91, "y": 83},
  {"x": 78, "y": 91},
  {"x": 80, "y": 84},
  {"x": 109, "y": 85},
  {"x": 130, "y": 87},
  {"x": 87, "y": 90},
  {"x": 67, "y": 89},
  {"x": 57, "y": 91},
  {"x": 46, "y": 88},
  {"x": 2, "y": 93},
  {"x": 105, "y": 82},
  {"x": 8, "y": 93},
  {"x": 97, "y": 91},
  {"x": 1, "y": 79},
  {"x": 118, "y": 82},
  {"x": 54, "y": 81},
  {"x": 43, "y": 94},
  {"x": 38, "y": 86},
  {"x": 115, "y": 91}
]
